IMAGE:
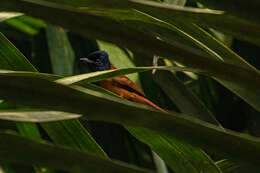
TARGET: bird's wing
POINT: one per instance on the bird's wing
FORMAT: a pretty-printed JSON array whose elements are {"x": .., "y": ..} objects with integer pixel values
[
  {"x": 125, "y": 82},
  {"x": 110, "y": 85}
]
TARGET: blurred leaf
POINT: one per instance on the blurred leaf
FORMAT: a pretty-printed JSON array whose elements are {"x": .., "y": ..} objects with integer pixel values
[
  {"x": 175, "y": 2},
  {"x": 18, "y": 24},
  {"x": 224, "y": 38},
  {"x": 119, "y": 57},
  {"x": 8, "y": 15},
  {"x": 187, "y": 34},
  {"x": 227, "y": 166},
  {"x": 160, "y": 164},
  {"x": 34, "y": 22},
  {"x": 217, "y": 50},
  {"x": 61, "y": 53},
  {"x": 60, "y": 158},
  {"x": 150, "y": 88},
  {"x": 206, "y": 17},
  {"x": 186, "y": 101},
  {"x": 26, "y": 24},
  {"x": 246, "y": 9},
  {"x": 27, "y": 129}
]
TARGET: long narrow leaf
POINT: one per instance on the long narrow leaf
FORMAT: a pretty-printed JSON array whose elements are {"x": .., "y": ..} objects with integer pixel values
[
  {"x": 245, "y": 82},
  {"x": 35, "y": 116},
  {"x": 19, "y": 62},
  {"x": 61, "y": 158},
  {"x": 8, "y": 15},
  {"x": 11, "y": 58},
  {"x": 191, "y": 159},
  {"x": 83, "y": 101},
  {"x": 245, "y": 9},
  {"x": 61, "y": 53},
  {"x": 70, "y": 133},
  {"x": 186, "y": 101},
  {"x": 101, "y": 75}
]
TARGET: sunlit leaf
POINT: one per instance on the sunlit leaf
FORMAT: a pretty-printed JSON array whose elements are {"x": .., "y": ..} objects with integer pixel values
[
  {"x": 36, "y": 116},
  {"x": 8, "y": 15}
]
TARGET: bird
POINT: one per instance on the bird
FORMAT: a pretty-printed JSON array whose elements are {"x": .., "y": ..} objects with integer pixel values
[{"x": 120, "y": 85}]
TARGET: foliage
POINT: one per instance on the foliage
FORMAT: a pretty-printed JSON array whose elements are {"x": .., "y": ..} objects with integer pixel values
[{"x": 182, "y": 54}]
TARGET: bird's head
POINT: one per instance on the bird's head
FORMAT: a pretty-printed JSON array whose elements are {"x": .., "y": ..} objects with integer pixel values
[{"x": 96, "y": 61}]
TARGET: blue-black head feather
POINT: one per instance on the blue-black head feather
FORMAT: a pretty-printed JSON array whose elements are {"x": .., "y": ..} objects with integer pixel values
[{"x": 96, "y": 61}]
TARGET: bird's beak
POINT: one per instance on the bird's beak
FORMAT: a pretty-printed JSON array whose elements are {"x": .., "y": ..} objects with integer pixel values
[{"x": 87, "y": 60}]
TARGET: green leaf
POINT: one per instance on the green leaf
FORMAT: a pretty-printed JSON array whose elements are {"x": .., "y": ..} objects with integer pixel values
[
  {"x": 26, "y": 24},
  {"x": 35, "y": 116},
  {"x": 205, "y": 17},
  {"x": 175, "y": 157},
  {"x": 13, "y": 59},
  {"x": 101, "y": 75},
  {"x": 227, "y": 166},
  {"x": 210, "y": 18},
  {"x": 244, "y": 80},
  {"x": 175, "y": 2},
  {"x": 61, "y": 53},
  {"x": 197, "y": 160},
  {"x": 20, "y": 25},
  {"x": 246, "y": 9},
  {"x": 119, "y": 57},
  {"x": 70, "y": 133},
  {"x": 19, "y": 62},
  {"x": 8, "y": 15},
  {"x": 47, "y": 87},
  {"x": 46, "y": 76},
  {"x": 206, "y": 42},
  {"x": 24, "y": 127},
  {"x": 181, "y": 157},
  {"x": 36, "y": 23},
  {"x": 186, "y": 101},
  {"x": 80, "y": 100},
  {"x": 204, "y": 63},
  {"x": 83, "y": 101},
  {"x": 60, "y": 158}
]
